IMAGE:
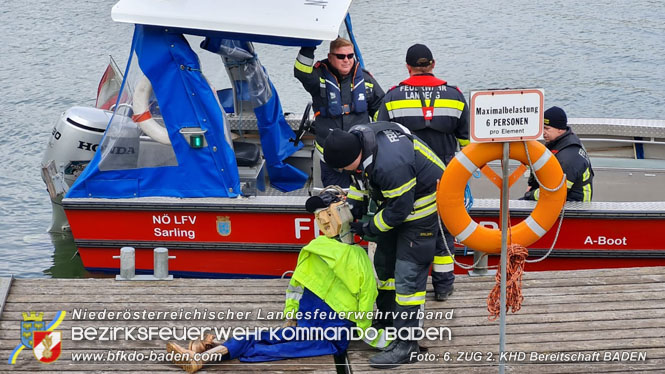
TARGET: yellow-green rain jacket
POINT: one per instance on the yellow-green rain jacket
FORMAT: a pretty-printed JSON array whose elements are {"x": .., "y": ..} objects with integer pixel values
[{"x": 342, "y": 276}]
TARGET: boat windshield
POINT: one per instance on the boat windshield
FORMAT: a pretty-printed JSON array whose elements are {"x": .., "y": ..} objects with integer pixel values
[
  {"x": 136, "y": 136},
  {"x": 109, "y": 86},
  {"x": 250, "y": 83}
]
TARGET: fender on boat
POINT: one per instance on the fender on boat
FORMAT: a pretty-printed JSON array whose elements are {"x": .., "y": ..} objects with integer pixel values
[
  {"x": 450, "y": 195},
  {"x": 142, "y": 116}
]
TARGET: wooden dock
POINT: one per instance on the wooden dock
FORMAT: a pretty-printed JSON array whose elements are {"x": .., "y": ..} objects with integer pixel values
[{"x": 595, "y": 321}]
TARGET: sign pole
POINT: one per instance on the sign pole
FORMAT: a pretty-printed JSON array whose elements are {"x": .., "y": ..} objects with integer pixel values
[
  {"x": 504, "y": 254},
  {"x": 505, "y": 116}
]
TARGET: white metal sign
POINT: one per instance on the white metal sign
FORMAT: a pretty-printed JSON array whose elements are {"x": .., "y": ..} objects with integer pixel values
[{"x": 506, "y": 115}]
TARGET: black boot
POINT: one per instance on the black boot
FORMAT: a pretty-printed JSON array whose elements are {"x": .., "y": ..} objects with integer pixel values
[
  {"x": 399, "y": 353},
  {"x": 443, "y": 295},
  {"x": 382, "y": 323}
]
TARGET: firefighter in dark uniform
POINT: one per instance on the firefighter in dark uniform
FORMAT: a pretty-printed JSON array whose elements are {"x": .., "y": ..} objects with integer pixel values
[
  {"x": 400, "y": 172},
  {"x": 343, "y": 95},
  {"x": 437, "y": 113},
  {"x": 569, "y": 151}
]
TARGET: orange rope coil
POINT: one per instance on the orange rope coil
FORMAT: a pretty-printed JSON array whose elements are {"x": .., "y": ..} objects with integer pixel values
[{"x": 517, "y": 255}]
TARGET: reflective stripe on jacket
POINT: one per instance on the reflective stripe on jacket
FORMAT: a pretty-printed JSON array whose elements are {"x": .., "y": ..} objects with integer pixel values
[
  {"x": 433, "y": 110},
  {"x": 575, "y": 163},
  {"x": 400, "y": 171}
]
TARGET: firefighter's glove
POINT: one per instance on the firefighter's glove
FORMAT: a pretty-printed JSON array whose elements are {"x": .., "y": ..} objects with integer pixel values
[
  {"x": 307, "y": 51},
  {"x": 358, "y": 228},
  {"x": 358, "y": 209},
  {"x": 362, "y": 229},
  {"x": 528, "y": 195}
]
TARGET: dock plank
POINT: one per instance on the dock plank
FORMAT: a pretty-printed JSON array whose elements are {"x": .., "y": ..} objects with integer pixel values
[
  {"x": 5, "y": 283},
  {"x": 604, "y": 312}
]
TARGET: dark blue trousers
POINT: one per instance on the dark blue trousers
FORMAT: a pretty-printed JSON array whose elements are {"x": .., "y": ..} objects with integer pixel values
[{"x": 267, "y": 348}]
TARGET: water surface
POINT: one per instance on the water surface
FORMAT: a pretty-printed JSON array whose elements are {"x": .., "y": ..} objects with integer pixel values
[{"x": 593, "y": 58}]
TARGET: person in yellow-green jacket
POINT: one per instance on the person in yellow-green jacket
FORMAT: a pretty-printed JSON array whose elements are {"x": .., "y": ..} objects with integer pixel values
[{"x": 333, "y": 288}]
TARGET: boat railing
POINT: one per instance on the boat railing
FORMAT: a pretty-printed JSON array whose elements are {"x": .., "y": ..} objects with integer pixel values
[
  {"x": 617, "y": 147},
  {"x": 636, "y": 127},
  {"x": 627, "y": 141},
  {"x": 612, "y": 209},
  {"x": 644, "y": 128},
  {"x": 247, "y": 121}
]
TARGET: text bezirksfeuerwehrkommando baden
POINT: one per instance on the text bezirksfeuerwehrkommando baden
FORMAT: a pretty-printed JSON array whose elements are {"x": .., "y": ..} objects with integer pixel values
[{"x": 258, "y": 314}]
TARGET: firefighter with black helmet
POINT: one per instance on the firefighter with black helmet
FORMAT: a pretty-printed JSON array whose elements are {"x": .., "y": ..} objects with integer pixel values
[{"x": 400, "y": 172}]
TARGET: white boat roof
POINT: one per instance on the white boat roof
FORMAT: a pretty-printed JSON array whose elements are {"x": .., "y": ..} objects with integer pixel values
[{"x": 302, "y": 19}]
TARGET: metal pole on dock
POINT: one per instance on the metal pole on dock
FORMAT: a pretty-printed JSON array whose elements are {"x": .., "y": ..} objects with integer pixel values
[
  {"x": 161, "y": 263},
  {"x": 480, "y": 265},
  {"x": 504, "y": 254},
  {"x": 127, "y": 263}
]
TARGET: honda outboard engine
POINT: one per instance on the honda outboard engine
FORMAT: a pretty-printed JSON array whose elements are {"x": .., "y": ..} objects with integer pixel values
[{"x": 74, "y": 141}]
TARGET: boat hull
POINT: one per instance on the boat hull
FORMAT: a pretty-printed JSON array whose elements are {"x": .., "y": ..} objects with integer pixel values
[{"x": 262, "y": 237}]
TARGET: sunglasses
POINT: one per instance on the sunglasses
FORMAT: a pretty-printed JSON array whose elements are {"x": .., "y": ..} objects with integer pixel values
[{"x": 341, "y": 56}]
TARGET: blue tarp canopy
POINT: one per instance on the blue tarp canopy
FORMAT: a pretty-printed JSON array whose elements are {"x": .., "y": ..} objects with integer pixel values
[{"x": 123, "y": 167}]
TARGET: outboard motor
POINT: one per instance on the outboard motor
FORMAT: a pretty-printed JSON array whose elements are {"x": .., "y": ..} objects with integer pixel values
[{"x": 73, "y": 142}]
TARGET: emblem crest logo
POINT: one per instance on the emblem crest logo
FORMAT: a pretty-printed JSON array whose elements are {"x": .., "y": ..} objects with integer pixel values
[
  {"x": 47, "y": 347},
  {"x": 224, "y": 225},
  {"x": 31, "y": 322},
  {"x": 38, "y": 335}
]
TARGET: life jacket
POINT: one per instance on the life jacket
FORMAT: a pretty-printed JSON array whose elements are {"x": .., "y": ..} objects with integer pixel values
[{"x": 332, "y": 95}]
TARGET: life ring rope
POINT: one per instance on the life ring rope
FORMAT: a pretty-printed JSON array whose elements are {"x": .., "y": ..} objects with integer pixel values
[
  {"x": 539, "y": 164},
  {"x": 556, "y": 237},
  {"x": 517, "y": 256},
  {"x": 475, "y": 264},
  {"x": 450, "y": 199}
]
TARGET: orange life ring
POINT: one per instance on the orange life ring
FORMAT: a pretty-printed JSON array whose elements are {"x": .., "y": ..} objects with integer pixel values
[{"x": 450, "y": 195}]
